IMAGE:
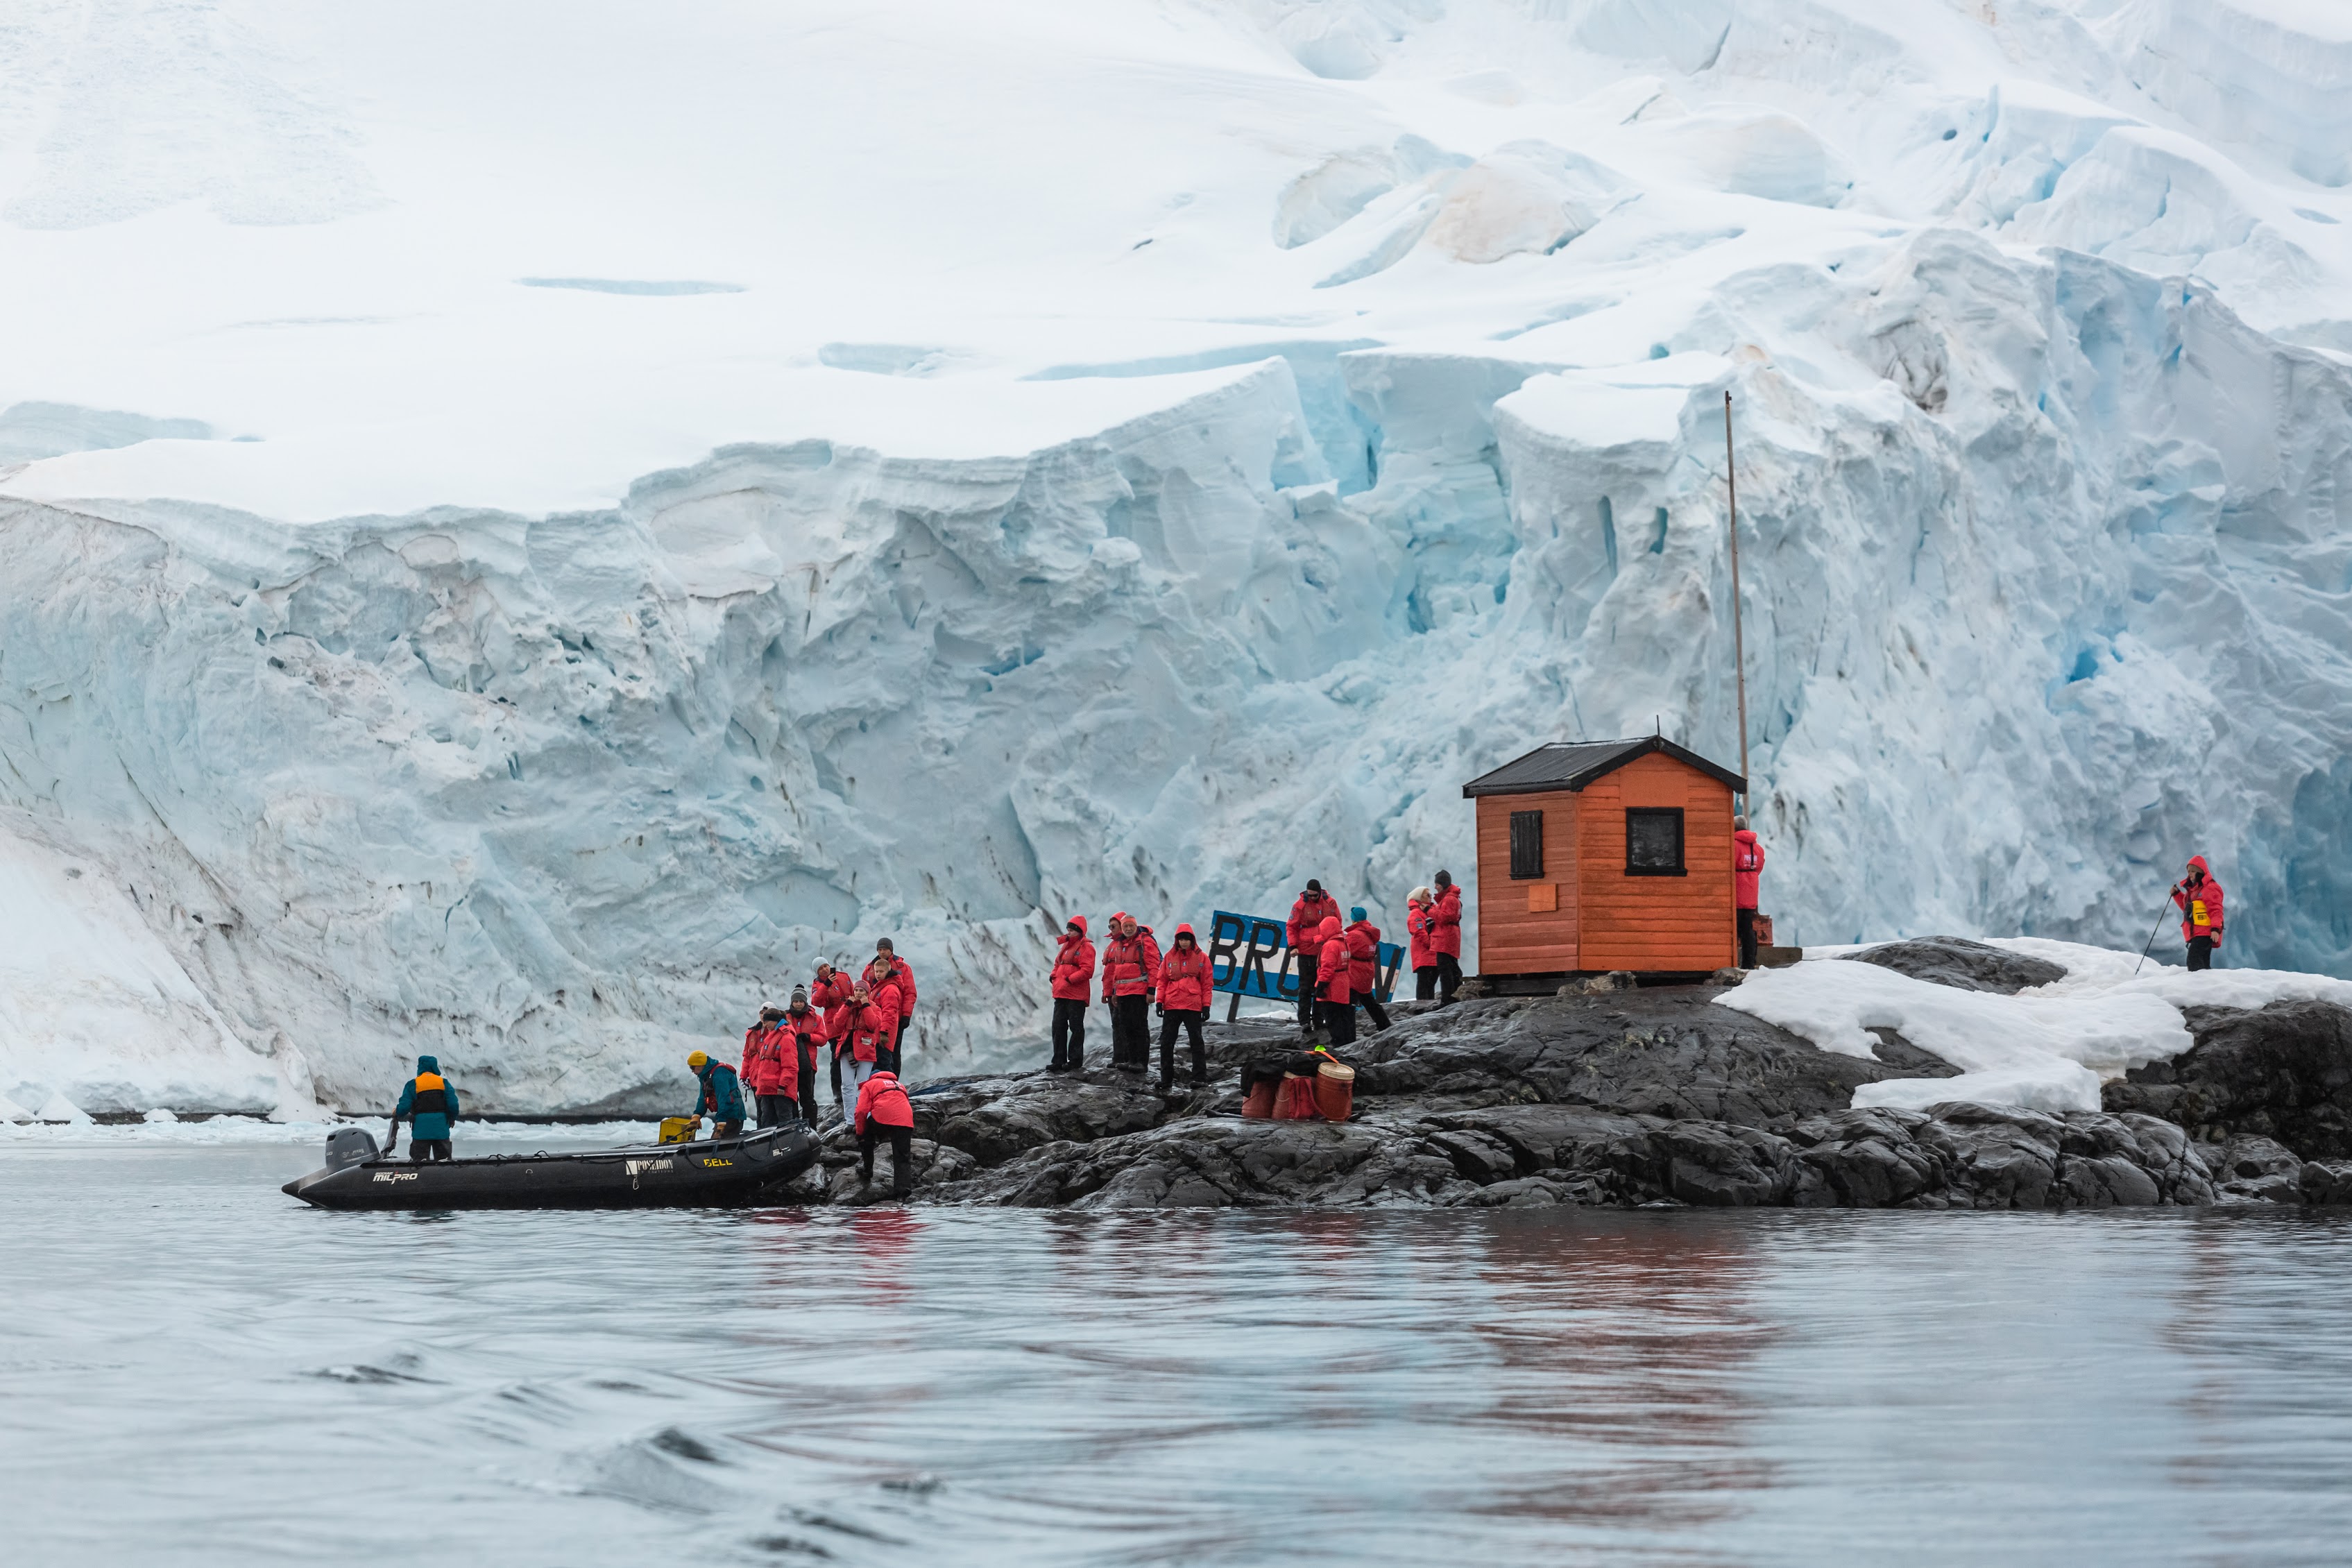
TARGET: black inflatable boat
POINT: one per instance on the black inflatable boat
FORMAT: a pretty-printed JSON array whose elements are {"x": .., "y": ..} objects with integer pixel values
[{"x": 643, "y": 1175}]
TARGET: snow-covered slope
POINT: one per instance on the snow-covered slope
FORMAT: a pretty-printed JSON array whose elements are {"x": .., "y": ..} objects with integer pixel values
[
  {"x": 2047, "y": 1047},
  {"x": 523, "y": 527}
]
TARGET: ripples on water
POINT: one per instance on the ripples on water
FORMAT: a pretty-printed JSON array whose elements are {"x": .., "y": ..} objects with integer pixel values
[{"x": 197, "y": 1368}]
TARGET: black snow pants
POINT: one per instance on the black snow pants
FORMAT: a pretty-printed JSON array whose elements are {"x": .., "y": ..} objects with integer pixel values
[
  {"x": 902, "y": 1154},
  {"x": 1449, "y": 978},
  {"x": 1133, "y": 1046},
  {"x": 1424, "y": 982},
  {"x": 1069, "y": 1034},
  {"x": 1748, "y": 939},
  {"x": 1339, "y": 1022},
  {"x": 1305, "y": 992},
  {"x": 1374, "y": 1011},
  {"x": 1192, "y": 1021},
  {"x": 422, "y": 1149},
  {"x": 2200, "y": 953}
]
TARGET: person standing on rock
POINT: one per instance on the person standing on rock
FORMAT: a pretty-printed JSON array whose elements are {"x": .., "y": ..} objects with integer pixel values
[
  {"x": 857, "y": 1050},
  {"x": 1747, "y": 873},
  {"x": 1364, "y": 968},
  {"x": 1418, "y": 953},
  {"x": 884, "y": 1110},
  {"x": 1110, "y": 989},
  {"x": 1332, "y": 995},
  {"x": 1129, "y": 973},
  {"x": 889, "y": 998},
  {"x": 831, "y": 993},
  {"x": 1306, "y": 917},
  {"x": 887, "y": 967},
  {"x": 804, "y": 1028},
  {"x": 2200, "y": 898},
  {"x": 1183, "y": 1000},
  {"x": 1445, "y": 937},
  {"x": 770, "y": 1070},
  {"x": 1074, "y": 973}
]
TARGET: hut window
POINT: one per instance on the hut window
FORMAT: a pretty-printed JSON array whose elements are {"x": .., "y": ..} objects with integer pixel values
[
  {"x": 1654, "y": 841},
  {"x": 1526, "y": 845}
]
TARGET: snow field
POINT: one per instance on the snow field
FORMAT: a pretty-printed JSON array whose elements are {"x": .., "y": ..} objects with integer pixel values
[{"x": 2048, "y": 1048}]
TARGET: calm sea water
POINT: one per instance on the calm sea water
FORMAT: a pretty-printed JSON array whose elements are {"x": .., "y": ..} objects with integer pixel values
[{"x": 198, "y": 1369}]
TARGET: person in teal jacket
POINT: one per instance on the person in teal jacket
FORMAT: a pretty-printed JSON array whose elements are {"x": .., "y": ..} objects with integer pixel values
[
  {"x": 719, "y": 1095},
  {"x": 429, "y": 1106}
]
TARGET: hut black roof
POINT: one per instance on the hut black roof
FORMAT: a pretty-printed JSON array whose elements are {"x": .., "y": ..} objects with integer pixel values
[{"x": 1572, "y": 764}]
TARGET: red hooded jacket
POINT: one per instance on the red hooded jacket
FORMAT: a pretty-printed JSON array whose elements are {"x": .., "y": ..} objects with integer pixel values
[
  {"x": 772, "y": 1060},
  {"x": 1416, "y": 930},
  {"x": 1130, "y": 965},
  {"x": 832, "y": 998},
  {"x": 899, "y": 976},
  {"x": 2207, "y": 892},
  {"x": 861, "y": 1029},
  {"x": 1184, "y": 976},
  {"x": 1363, "y": 959},
  {"x": 1445, "y": 921},
  {"x": 1073, "y": 966},
  {"x": 1306, "y": 918},
  {"x": 881, "y": 1101},
  {"x": 1746, "y": 865},
  {"x": 1331, "y": 963}
]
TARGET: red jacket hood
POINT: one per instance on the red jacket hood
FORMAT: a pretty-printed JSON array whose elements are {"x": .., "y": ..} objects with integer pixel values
[
  {"x": 1077, "y": 920},
  {"x": 1330, "y": 927},
  {"x": 2197, "y": 864}
]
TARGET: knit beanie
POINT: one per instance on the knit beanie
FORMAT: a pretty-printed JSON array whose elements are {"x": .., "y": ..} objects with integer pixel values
[{"x": 1357, "y": 913}]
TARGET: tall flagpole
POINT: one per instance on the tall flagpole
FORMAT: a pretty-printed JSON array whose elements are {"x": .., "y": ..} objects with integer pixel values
[{"x": 1739, "y": 642}]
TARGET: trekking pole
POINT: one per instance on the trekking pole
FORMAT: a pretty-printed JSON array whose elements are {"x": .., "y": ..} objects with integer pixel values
[{"x": 2160, "y": 926}]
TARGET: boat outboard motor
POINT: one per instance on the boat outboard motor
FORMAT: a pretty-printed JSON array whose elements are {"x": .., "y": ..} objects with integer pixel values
[{"x": 349, "y": 1146}]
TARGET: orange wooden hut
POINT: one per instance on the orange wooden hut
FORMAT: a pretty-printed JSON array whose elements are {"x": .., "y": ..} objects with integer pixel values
[{"x": 1602, "y": 855}]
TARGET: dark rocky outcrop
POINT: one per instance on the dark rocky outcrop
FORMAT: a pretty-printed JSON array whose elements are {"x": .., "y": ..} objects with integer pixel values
[
  {"x": 1630, "y": 1098},
  {"x": 2284, "y": 1072},
  {"x": 1967, "y": 965}
]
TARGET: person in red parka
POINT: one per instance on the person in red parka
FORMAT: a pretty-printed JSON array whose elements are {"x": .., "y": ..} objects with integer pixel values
[
  {"x": 1110, "y": 988},
  {"x": 1334, "y": 1000},
  {"x": 1306, "y": 917},
  {"x": 889, "y": 997},
  {"x": 1073, "y": 972},
  {"x": 2200, "y": 898},
  {"x": 1364, "y": 967},
  {"x": 1445, "y": 937},
  {"x": 803, "y": 1030},
  {"x": 1747, "y": 873},
  {"x": 772, "y": 1070},
  {"x": 830, "y": 996},
  {"x": 888, "y": 968},
  {"x": 1417, "y": 953},
  {"x": 865, "y": 1033},
  {"x": 883, "y": 1110},
  {"x": 1183, "y": 1000},
  {"x": 1130, "y": 969}
]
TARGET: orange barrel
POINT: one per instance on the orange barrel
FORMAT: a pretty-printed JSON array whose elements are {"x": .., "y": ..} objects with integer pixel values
[
  {"x": 1259, "y": 1104},
  {"x": 1335, "y": 1090},
  {"x": 1295, "y": 1101}
]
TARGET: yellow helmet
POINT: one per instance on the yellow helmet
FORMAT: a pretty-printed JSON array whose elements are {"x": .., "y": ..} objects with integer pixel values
[{"x": 696, "y": 1060}]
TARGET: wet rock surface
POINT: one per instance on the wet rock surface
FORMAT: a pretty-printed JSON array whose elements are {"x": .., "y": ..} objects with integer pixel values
[
  {"x": 1957, "y": 961},
  {"x": 1647, "y": 1097}
]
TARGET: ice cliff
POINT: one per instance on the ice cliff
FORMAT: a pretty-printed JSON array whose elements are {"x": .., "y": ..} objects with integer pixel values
[{"x": 997, "y": 467}]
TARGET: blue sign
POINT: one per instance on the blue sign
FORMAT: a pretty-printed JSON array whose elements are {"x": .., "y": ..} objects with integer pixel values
[{"x": 1250, "y": 956}]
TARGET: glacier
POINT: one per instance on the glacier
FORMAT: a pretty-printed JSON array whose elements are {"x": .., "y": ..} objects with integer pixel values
[{"x": 488, "y": 576}]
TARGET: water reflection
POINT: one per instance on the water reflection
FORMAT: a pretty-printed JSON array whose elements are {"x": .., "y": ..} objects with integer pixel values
[{"x": 200, "y": 1371}]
